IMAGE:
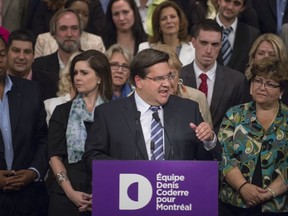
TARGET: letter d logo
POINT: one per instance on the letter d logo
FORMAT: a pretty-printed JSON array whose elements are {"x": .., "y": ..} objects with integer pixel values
[{"x": 144, "y": 191}]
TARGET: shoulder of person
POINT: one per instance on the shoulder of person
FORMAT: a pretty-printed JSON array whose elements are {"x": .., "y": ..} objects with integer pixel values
[
  {"x": 43, "y": 59},
  {"x": 178, "y": 101},
  {"x": 24, "y": 83},
  {"x": 231, "y": 73}
]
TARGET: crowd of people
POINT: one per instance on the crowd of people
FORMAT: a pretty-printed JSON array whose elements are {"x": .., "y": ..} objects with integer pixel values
[{"x": 82, "y": 80}]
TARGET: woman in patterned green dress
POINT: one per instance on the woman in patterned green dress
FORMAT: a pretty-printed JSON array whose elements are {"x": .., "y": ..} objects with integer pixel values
[{"x": 254, "y": 137}]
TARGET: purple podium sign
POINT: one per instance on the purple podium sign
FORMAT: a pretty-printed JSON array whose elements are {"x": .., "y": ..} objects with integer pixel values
[{"x": 156, "y": 188}]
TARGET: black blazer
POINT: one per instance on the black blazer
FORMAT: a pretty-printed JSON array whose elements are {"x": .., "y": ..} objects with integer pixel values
[
  {"x": 267, "y": 15},
  {"x": 117, "y": 134},
  {"x": 57, "y": 146},
  {"x": 244, "y": 38},
  {"x": 230, "y": 89},
  {"x": 45, "y": 70},
  {"x": 29, "y": 141}
]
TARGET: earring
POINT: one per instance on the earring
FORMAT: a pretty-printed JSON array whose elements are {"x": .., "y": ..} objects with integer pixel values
[
  {"x": 98, "y": 82},
  {"x": 280, "y": 97}
]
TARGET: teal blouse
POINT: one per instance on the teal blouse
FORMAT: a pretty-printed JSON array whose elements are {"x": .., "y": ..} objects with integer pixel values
[{"x": 243, "y": 140}]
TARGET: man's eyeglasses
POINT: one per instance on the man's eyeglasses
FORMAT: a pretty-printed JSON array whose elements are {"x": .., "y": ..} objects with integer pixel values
[
  {"x": 116, "y": 66},
  {"x": 268, "y": 85},
  {"x": 160, "y": 79}
]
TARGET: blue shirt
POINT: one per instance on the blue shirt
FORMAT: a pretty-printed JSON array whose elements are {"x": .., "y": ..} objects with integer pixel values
[
  {"x": 5, "y": 125},
  {"x": 280, "y": 8},
  {"x": 125, "y": 91}
]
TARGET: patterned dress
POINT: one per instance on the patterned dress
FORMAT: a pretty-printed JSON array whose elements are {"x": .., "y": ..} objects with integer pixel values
[{"x": 243, "y": 141}]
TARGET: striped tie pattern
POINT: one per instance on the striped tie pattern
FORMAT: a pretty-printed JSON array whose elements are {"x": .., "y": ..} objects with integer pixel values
[
  {"x": 157, "y": 137},
  {"x": 226, "y": 47}
]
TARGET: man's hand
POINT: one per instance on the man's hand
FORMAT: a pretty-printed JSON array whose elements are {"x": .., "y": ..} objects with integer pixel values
[
  {"x": 20, "y": 179},
  {"x": 203, "y": 131},
  {"x": 5, "y": 175}
]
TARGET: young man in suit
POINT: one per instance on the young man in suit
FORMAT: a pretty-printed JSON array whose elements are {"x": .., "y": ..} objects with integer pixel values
[
  {"x": 66, "y": 28},
  {"x": 224, "y": 87},
  {"x": 23, "y": 140},
  {"x": 240, "y": 38},
  {"x": 122, "y": 128}
]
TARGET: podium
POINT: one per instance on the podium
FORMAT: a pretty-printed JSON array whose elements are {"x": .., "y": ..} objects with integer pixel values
[{"x": 155, "y": 188}]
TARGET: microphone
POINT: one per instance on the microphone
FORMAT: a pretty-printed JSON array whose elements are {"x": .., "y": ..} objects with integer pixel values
[
  {"x": 137, "y": 117},
  {"x": 137, "y": 134},
  {"x": 157, "y": 119}
]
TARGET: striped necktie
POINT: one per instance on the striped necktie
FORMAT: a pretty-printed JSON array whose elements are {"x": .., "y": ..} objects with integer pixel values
[
  {"x": 226, "y": 46},
  {"x": 156, "y": 137}
]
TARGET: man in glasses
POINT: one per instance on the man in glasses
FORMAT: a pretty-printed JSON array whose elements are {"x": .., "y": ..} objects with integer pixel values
[{"x": 151, "y": 124}]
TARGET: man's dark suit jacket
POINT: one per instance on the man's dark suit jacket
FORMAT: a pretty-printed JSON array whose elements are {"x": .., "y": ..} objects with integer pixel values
[
  {"x": 117, "y": 134},
  {"x": 244, "y": 38},
  {"x": 46, "y": 72},
  {"x": 29, "y": 140},
  {"x": 267, "y": 15},
  {"x": 230, "y": 89}
]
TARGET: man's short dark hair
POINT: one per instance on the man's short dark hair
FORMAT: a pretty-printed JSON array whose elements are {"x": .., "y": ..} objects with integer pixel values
[
  {"x": 206, "y": 25},
  {"x": 21, "y": 35},
  {"x": 145, "y": 59}
]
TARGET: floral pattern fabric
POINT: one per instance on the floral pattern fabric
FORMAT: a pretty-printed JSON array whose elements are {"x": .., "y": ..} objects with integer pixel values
[{"x": 243, "y": 140}]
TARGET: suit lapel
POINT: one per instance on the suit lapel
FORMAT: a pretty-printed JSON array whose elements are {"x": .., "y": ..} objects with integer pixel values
[
  {"x": 169, "y": 127},
  {"x": 273, "y": 7},
  {"x": 133, "y": 121},
  {"x": 188, "y": 76},
  {"x": 219, "y": 87},
  {"x": 240, "y": 40},
  {"x": 5, "y": 6}
]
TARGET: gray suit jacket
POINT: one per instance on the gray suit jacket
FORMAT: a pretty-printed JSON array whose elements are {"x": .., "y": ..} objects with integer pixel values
[
  {"x": 230, "y": 88},
  {"x": 117, "y": 134},
  {"x": 14, "y": 14}
]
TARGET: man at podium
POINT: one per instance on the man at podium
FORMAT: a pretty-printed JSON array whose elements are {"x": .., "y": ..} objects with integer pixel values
[{"x": 151, "y": 124}]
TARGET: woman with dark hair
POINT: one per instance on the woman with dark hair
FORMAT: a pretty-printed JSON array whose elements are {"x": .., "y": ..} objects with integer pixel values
[
  {"x": 71, "y": 189},
  {"x": 254, "y": 138},
  {"x": 169, "y": 25},
  {"x": 123, "y": 25}
]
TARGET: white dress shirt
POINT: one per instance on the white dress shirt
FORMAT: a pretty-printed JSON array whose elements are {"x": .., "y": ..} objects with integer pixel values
[
  {"x": 210, "y": 80},
  {"x": 231, "y": 36},
  {"x": 146, "y": 119}
]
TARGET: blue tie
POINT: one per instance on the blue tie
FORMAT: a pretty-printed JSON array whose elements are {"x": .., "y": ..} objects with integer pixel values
[
  {"x": 226, "y": 46},
  {"x": 156, "y": 137}
]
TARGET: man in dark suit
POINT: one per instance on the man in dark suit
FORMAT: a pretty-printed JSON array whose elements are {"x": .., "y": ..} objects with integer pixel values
[
  {"x": 241, "y": 37},
  {"x": 122, "y": 128},
  {"x": 226, "y": 87},
  {"x": 267, "y": 14},
  {"x": 23, "y": 140},
  {"x": 66, "y": 28}
]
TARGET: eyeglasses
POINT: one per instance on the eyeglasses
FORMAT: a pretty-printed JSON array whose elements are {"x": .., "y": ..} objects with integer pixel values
[
  {"x": 116, "y": 66},
  {"x": 268, "y": 85},
  {"x": 160, "y": 79}
]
